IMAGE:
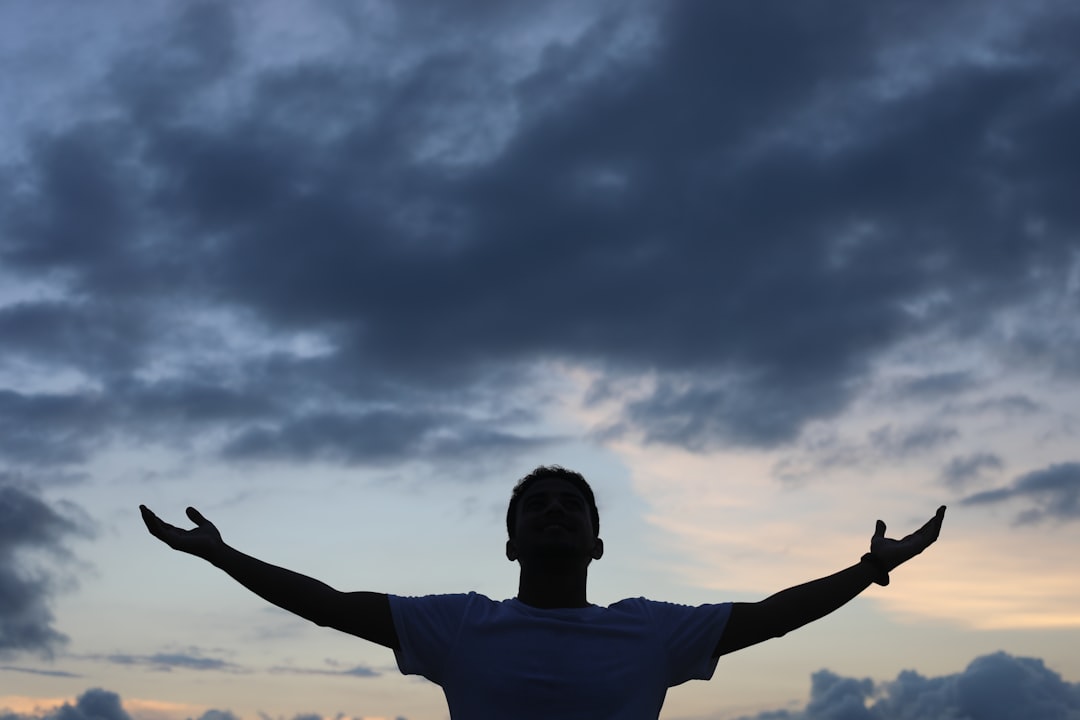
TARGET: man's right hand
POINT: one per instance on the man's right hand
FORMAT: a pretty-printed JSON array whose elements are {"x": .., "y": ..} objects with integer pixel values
[{"x": 203, "y": 540}]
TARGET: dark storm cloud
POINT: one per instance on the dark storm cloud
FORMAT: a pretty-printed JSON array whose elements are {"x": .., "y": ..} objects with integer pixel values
[
  {"x": 378, "y": 436},
  {"x": 50, "y": 427},
  {"x": 992, "y": 687},
  {"x": 28, "y": 525},
  {"x": 751, "y": 206},
  {"x": 71, "y": 334},
  {"x": 1054, "y": 491}
]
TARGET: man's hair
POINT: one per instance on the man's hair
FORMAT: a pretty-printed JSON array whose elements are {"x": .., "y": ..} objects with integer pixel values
[{"x": 542, "y": 473}]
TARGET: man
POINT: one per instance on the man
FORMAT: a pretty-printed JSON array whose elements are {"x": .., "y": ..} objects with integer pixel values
[{"x": 548, "y": 652}]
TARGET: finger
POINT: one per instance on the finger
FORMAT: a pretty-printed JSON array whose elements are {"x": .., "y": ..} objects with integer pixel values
[
  {"x": 158, "y": 527},
  {"x": 197, "y": 517},
  {"x": 934, "y": 526},
  {"x": 928, "y": 533},
  {"x": 879, "y": 530},
  {"x": 152, "y": 521}
]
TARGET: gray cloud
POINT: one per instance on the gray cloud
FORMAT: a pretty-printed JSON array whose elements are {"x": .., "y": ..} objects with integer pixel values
[
  {"x": 1007, "y": 406},
  {"x": 373, "y": 437},
  {"x": 198, "y": 660},
  {"x": 361, "y": 671},
  {"x": 51, "y": 428},
  {"x": 902, "y": 442},
  {"x": 1054, "y": 491},
  {"x": 992, "y": 687},
  {"x": 39, "y": 671},
  {"x": 168, "y": 661},
  {"x": 748, "y": 206},
  {"x": 94, "y": 704},
  {"x": 30, "y": 525},
  {"x": 936, "y": 386},
  {"x": 966, "y": 469}
]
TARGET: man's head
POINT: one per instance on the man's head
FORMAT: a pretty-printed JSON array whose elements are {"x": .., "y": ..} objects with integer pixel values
[
  {"x": 550, "y": 471},
  {"x": 553, "y": 508}
]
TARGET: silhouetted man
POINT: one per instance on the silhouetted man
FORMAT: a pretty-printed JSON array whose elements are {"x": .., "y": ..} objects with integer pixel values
[{"x": 549, "y": 653}]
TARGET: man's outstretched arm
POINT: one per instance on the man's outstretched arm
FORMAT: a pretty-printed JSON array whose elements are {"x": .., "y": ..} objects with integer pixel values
[
  {"x": 779, "y": 614},
  {"x": 364, "y": 614}
]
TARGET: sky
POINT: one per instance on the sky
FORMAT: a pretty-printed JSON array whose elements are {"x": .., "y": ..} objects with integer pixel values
[{"x": 339, "y": 273}]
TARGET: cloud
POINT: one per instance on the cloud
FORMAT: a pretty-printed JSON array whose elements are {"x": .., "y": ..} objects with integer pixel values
[
  {"x": 992, "y": 686},
  {"x": 966, "y": 469},
  {"x": 750, "y": 209},
  {"x": 93, "y": 704},
  {"x": 361, "y": 671},
  {"x": 50, "y": 428},
  {"x": 30, "y": 526},
  {"x": 199, "y": 661},
  {"x": 912, "y": 441},
  {"x": 39, "y": 671},
  {"x": 1055, "y": 491},
  {"x": 1007, "y": 406},
  {"x": 935, "y": 386},
  {"x": 373, "y": 437},
  {"x": 99, "y": 704},
  {"x": 168, "y": 661}
]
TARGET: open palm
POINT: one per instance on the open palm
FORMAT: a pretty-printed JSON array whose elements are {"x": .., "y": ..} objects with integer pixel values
[
  {"x": 891, "y": 553},
  {"x": 202, "y": 540}
]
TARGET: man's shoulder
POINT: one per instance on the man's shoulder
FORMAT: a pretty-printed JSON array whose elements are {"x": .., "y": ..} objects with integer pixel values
[
  {"x": 462, "y": 599},
  {"x": 665, "y": 611}
]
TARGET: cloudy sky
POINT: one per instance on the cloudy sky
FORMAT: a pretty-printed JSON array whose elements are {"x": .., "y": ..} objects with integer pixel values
[{"x": 338, "y": 273}]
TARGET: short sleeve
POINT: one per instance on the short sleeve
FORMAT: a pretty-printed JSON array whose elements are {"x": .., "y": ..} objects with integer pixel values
[
  {"x": 427, "y": 628},
  {"x": 690, "y": 635}
]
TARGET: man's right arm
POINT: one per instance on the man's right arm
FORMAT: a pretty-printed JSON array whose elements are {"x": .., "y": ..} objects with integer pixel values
[{"x": 364, "y": 614}]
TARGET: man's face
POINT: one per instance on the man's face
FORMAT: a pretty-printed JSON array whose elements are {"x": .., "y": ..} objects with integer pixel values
[{"x": 554, "y": 521}]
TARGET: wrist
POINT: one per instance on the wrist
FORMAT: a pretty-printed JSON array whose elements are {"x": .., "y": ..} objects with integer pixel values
[
  {"x": 879, "y": 573},
  {"x": 217, "y": 554}
]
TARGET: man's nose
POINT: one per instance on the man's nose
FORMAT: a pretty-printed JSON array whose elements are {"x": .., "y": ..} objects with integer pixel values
[{"x": 555, "y": 505}]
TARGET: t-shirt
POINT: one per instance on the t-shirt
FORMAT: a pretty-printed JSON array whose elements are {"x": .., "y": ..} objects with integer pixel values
[{"x": 506, "y": 659}]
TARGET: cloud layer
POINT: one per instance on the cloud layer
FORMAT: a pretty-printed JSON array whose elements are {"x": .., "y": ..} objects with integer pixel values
[
  {"x": 992, "y": 687},
  {"x": 335, "y": 259}
]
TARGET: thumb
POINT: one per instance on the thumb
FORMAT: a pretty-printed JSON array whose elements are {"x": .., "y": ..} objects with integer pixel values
[
  {"x": 196, "y": 517},
  {"x": 879, "y": 530}
]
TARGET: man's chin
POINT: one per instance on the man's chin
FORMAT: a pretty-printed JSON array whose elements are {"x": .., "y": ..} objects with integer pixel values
[{"x": 562, "y": 552}]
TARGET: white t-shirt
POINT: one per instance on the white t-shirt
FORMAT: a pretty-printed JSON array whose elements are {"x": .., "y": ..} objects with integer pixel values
[{"x": 509, "y": 660}]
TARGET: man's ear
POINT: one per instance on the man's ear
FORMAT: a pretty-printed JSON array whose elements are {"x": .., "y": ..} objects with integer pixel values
[
  {"x": 511, "y": 551},
  {"x": 598, "y": 549}
]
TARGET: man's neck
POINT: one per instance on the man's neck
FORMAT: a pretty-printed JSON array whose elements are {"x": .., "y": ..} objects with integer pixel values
[{"x": 548, "y": 588}]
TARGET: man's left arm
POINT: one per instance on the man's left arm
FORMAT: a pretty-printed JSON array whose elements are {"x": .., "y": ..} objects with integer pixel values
[{"x": 779, "y": 614}]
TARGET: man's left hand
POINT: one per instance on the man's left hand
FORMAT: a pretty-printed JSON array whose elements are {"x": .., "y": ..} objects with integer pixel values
[{"x": 891, "y": 553}]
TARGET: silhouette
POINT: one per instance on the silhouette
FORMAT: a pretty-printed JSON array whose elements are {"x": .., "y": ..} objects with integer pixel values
[{"x": 548, "y": 652}]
